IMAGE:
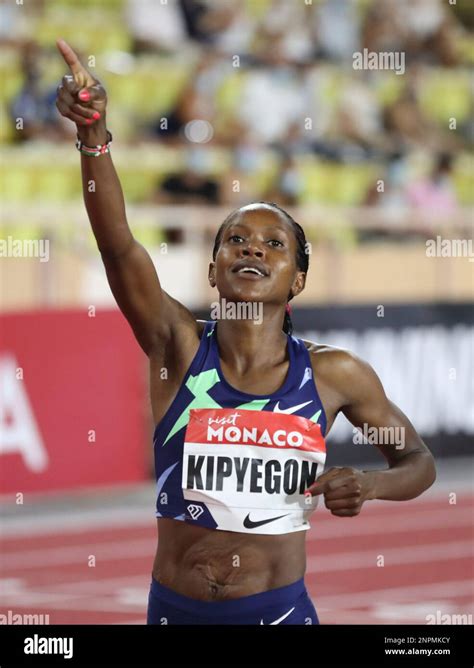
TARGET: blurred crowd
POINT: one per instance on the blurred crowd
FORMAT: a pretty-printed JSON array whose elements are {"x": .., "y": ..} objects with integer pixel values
[{"x": 299, "y": 96}]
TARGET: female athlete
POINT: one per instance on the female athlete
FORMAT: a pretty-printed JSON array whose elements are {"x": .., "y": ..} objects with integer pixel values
[{"x": 242, "y": 414}]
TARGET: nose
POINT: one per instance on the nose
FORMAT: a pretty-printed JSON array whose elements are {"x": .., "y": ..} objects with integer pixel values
[{"x": 252, "y": 249}]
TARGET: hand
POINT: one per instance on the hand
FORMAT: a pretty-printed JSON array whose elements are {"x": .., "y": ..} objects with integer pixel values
[
  {"x": 82, "y": 98},
  {"x": 345, "y": 490}
]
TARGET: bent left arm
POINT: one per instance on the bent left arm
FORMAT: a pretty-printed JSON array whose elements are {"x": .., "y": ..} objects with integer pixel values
[{"x": 411, "y": 468}]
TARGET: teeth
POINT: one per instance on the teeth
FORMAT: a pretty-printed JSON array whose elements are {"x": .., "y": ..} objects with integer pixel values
[{"x": 254, "y": 270}]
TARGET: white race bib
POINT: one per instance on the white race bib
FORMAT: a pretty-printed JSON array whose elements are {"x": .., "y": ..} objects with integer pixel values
[{"x": 251, "y": 468}]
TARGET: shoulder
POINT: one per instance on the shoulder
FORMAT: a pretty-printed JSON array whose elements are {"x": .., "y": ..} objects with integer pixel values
[
  {"x": 328, "y": 357},
  {"x": 340, "y": 368}
]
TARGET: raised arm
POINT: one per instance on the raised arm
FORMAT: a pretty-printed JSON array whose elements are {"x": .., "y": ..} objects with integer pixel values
[{"x": 151, "y": 312}]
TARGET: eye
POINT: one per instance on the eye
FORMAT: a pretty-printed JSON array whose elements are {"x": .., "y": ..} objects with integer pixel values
[
  {"x": 236, "y": 236},
  {"x": 275, "y": 241}
]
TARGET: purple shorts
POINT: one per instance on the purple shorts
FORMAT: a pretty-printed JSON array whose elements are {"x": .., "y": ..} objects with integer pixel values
[{"x": 285, "y": 605}]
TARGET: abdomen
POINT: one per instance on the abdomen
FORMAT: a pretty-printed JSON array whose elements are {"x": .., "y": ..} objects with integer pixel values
[{"x": 207, "y": 564}]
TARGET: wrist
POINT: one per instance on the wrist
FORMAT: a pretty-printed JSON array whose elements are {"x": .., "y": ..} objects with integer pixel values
[
  {"x": 371, "y": 484},
  {"x": 92, "y": 136}
]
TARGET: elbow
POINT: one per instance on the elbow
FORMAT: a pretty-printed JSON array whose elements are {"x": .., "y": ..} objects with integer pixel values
[
  {"x": 424, "y": 472},
  {"x": 431, "y": 471},
  {"x": 428, "y": 472}
]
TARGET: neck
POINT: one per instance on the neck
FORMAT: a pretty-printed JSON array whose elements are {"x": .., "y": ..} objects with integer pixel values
[{"x": 245, "y": 345}]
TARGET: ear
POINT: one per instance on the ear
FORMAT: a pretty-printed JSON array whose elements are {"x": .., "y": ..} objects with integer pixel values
[
  {"x": 212, "y": 274},
  {"x": 299, "y": 283}
]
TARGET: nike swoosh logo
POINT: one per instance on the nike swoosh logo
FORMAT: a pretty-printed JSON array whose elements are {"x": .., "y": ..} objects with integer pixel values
[
  {"x": 291, "y": 409},
  {"x": 308, "y": 374},
  {"x": 248, "y": 524},
  {"x": 280, "y": 619}
]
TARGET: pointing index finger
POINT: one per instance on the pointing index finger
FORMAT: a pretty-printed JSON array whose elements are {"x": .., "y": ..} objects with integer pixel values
[{"x": 81, "y": 75}]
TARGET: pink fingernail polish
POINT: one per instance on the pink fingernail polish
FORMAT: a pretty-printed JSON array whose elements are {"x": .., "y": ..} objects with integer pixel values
[
  {"x": 96, "y": 115},
  {"x": 89, "y": 121},
  {"x": 85, "y": 95}
]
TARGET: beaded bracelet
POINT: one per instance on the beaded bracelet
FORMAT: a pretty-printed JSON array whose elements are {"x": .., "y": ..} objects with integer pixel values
[{"x": 94, "y": 151}]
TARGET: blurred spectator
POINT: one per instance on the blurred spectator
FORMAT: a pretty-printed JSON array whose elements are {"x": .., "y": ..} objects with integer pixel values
[
  {"x": 382, "y": 29},
  {"x": 193, "y": 12},
  {"x": 297, "y": 140},
  {"x": 404, "y": 119},
  {"x": 240, "y": 182},
  {"x": 236, "y": 36},
  {"x": 435, "y": 193},
  {"x": 222, "y": 23},
  {"x": 16, "y": 24},
  {"x": 430, "y": 29},
  {"x": 273, "y": 99},
  {"x": 286, "y": 31},
  {"x": 336, "y": 23},
  {"x": 192, "y": 185},
  {"x": 197, "y": 99},
  {"x": 444, "y": 43},
  {"x": 286, "y": 188},
  {"x": 393, "y": 196},
  {"x": 424, "y": 29},
  {"x": 155, "y": 27},
  {"x": 357, "y": 124},
  {"x": 422, "y": 18},
  {"x": 389, "y": 195},
  {"x": 33, "y": 107}
]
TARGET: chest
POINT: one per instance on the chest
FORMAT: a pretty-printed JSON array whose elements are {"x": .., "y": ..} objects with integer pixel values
[
  {"x": 167, "y": 374},
  {"x": 261, "y": 381}
]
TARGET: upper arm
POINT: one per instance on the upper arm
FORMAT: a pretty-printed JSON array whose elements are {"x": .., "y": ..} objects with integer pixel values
[
  {"x": 365, "y": 404},
  {"x": 151, "y": 312}
]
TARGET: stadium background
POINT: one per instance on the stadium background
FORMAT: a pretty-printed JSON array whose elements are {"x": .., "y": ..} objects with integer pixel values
[{"x": 212, "y": 104}]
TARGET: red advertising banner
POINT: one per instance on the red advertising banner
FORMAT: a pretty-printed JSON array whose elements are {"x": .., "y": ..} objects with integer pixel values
[{"x": 72, "y": 401}]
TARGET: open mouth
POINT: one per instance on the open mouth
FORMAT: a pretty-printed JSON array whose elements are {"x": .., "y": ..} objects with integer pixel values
[{"x": 250, "y": 269}]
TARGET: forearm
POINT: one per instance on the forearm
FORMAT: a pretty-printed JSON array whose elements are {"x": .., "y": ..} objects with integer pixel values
[
  {"x": 103, "y": 196},
  {"x": 405, "y": 479}
]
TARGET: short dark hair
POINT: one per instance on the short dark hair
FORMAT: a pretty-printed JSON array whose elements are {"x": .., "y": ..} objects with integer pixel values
[{"x": 302, "y": 257}]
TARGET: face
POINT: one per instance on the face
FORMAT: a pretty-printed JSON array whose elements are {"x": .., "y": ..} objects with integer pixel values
[{"x": 256, "y": 260}]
